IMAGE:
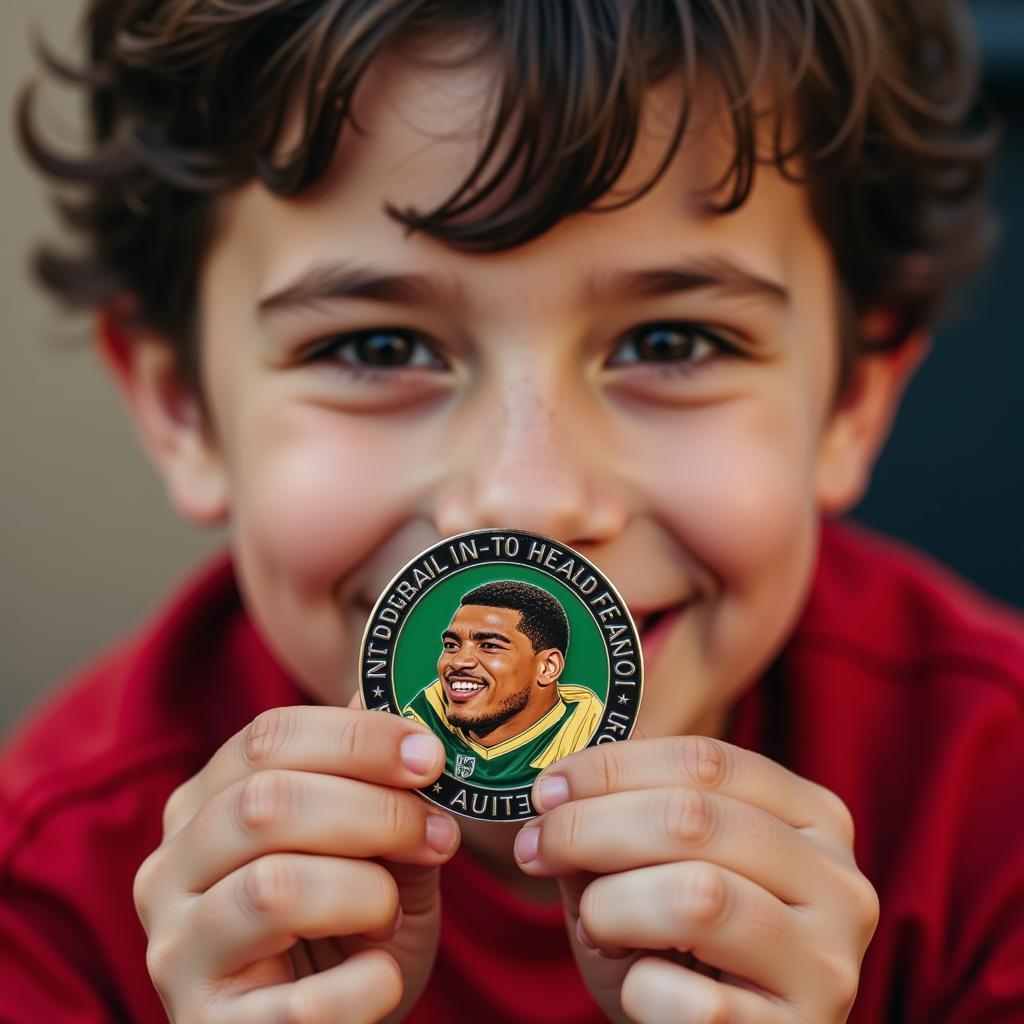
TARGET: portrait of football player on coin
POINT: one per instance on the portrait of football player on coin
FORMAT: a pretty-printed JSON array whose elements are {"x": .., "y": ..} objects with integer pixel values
[{"x": 498, "y": 704}]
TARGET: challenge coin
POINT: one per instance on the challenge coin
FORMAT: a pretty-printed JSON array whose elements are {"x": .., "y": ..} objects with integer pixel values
[{"x": 514, "y": 651}]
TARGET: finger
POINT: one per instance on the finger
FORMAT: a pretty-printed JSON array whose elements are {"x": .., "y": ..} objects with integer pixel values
[
  {"x": 724, "y": 919},
  {"x": 280, "y": 811},
  {"x": 656, "y": 991},
  {"x": 366, "y": 745},
  {"x": 678, "y": 823},
  {"x": 362, "y": 990},
  {"x": 708, "y": 764},
  {"x": 265, "y": 907}
]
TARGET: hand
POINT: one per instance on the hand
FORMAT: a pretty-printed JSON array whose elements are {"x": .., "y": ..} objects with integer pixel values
[
  {"x": 298, "y": 876},
  {"x": 702, "y": 882}
]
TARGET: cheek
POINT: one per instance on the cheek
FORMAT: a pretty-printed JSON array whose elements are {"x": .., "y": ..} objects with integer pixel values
[
  {"x": 314, "y": 496},
  {"x": 737, "y": 491},
  {"x": 499, "y": 671}
]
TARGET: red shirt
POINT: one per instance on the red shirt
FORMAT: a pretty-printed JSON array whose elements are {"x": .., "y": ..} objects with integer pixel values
[{"x": 902, "y": 690}]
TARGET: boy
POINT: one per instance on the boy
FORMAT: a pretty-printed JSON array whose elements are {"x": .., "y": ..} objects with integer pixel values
[{"x": 648, "y": 278}]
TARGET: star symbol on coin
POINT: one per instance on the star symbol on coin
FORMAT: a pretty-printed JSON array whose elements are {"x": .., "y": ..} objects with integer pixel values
[
  {"x": 378, "y": 692},
  {"x": 436, "y": 787},
  {"x": 623, "y": 699}
]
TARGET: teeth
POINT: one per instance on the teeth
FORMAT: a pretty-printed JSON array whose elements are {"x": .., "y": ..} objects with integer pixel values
[{"x": 463, "y": 687}]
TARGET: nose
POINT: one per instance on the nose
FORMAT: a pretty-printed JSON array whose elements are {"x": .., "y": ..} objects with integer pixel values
[
  {"x": 462, "y": 658},
  {"x": 533, "y": 459}
]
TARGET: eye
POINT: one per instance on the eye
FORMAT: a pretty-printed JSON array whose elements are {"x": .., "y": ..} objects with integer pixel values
[
  {"x": 678, "y": 343},
  {"x": 380, "y": 348}
]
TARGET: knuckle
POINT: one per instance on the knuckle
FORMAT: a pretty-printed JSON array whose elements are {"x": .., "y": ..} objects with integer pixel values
[
  {"x": 144, "y": 880},
  {"x": 161, "y": 958},
  {"x": 605, "y": 768},
  {"x": 396, "y": 814},
  {"x": 868, "y": 908},
  {"x": 263, "y": 738},
  {"x": 858, "y": 897},
  {"x": 687, "y": 816},
  {"x": 700, "y": 894},
  {"x": 647, "y": 974},
  {"x": 592, "y": 907},
  {"x": 266, "y": 886},
  {"x": 841, "y": 978},
  {"x": 385, "y": 892},
  {"x": 174, "y": 808},
  {"x": 298, "y": 1008},
  {"x": 388, "y": 987},
  {"x": 716, "y": 1009},
  {"x": 570, "y": 828},
  {"x": 702, "y": 759},
  {"x": 873, "y": 908},
  {"x": 631, "y": 993},
  {"x": 837, "y": 818},
  {"x": 355, "y": 738},
  {"x": 378, "y": 895},
  {"x": 264, "y": 800}
]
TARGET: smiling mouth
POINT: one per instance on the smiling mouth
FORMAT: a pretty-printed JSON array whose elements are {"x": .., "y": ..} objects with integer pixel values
[
  {"x": 463, "y": 688},
  {"x": 655, "y": 627}
]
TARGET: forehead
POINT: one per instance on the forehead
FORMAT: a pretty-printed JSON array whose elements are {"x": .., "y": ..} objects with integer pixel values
[
  {"x": 422, "y": 130},
  {"x": 476, "y": 617}
]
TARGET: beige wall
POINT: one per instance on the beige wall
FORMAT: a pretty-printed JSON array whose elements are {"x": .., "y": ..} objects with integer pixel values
[{"x": 89, "y": 544}]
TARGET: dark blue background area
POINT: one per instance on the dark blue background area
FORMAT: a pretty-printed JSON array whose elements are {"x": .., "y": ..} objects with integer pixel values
[{"x": 951, "y": 479}]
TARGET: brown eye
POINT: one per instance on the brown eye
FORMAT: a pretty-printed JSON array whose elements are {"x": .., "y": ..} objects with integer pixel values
[
  {"x": 665, "y": 344},
  {"x": 681, "y": 344},
  {"x": 384, "y": 348},
  {"x": 377, "y": 349}
]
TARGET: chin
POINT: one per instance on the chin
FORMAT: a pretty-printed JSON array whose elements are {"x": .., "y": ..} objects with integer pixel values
[{"x": 464, "y": 721}]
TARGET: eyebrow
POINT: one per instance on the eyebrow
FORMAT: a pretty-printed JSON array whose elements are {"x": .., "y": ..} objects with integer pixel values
[
  {"x": 339, "y": 281},
  {"x": 489, "y": 635},
  {"x": 450, "y": 634},
  {"x": 334, "y": 281},
  {"x": 714, "y": 271}
]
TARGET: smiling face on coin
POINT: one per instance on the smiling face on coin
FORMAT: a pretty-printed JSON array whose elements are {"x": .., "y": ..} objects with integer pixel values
[
  {"x": 539, "y": 658},
  {"x": 491, "y": 673}
]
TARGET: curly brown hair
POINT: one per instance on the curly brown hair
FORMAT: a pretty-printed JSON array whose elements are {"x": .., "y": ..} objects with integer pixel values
[{"x": 188, "y": 98}]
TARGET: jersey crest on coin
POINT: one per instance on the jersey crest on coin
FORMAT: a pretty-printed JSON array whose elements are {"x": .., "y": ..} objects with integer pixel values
[{"x": 514, "y": 651}]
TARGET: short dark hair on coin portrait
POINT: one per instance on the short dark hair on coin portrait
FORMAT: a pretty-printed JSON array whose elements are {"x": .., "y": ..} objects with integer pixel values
[{"x": 543, "y": 622}]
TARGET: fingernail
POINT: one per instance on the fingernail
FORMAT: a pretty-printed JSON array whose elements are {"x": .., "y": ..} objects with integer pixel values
[
  {"x": 440, "y": 832},
  {"x": 526, "y": 844},
  {"x": 552, "y": 790},
  {"x": 418, "y": 752},
  {"x": 398, "y": 923},
  {"x": 582, "y": 936}
]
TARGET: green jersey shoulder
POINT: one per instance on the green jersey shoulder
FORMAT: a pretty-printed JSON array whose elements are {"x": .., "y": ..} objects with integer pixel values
[{"x": 515, "y": 762}]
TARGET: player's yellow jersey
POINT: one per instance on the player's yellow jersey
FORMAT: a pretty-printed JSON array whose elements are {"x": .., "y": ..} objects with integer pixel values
[{"x": 515, "y": 762}]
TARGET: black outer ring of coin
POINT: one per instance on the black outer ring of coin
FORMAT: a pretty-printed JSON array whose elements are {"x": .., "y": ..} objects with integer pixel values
[{"x": 444, "y": 560}]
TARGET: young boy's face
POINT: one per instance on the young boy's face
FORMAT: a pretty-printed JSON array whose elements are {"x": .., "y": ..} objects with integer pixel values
[{"x": 653, "y": 386}]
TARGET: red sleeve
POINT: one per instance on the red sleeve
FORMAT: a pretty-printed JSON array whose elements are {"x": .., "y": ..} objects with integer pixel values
[
  {"x": 985, "y": 982},
  {"x": 72, "y": 949},
  {"x": 49, "y": 970},
  {"x": 902, "y": 691}
]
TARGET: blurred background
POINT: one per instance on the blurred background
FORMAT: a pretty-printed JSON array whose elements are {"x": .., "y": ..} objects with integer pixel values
[{"x": 89, "y": 547}]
